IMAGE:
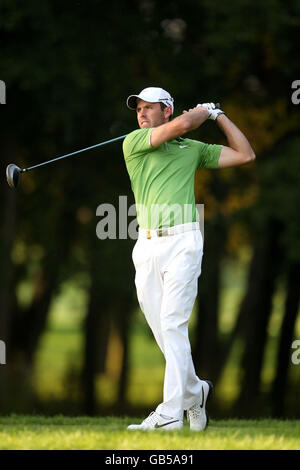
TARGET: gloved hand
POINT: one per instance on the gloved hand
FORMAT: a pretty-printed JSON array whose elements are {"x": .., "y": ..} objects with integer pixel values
[{"x": 213, "y": 109}]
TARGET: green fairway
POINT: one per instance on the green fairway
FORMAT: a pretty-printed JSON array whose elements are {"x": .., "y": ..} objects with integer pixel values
[{"x": 64, "y": 433}]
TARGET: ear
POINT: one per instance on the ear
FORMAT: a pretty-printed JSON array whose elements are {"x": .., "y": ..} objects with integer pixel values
[{"x": 168, "y": 112}]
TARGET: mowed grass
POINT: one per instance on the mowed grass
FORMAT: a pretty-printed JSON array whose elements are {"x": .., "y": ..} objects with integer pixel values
[{"x": 109, "y": 433}]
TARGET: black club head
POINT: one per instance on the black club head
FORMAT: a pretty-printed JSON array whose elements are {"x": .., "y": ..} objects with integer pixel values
[{"x": 13, "y": 175}]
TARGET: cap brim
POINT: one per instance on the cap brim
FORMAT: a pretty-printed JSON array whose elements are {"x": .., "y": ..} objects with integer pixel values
[{"x": 132, "y": 101}]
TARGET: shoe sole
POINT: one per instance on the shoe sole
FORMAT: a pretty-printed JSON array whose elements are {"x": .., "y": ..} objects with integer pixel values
[{"x": 167, "y": 427}]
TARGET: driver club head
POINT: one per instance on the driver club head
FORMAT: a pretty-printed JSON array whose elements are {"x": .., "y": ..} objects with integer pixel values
[{"x": 13, "y": 175}]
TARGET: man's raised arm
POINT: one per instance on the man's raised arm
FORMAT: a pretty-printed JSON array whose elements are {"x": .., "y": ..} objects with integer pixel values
[
  {"x": 239, "y": 151},
  {"x": 180, "y": 125}
]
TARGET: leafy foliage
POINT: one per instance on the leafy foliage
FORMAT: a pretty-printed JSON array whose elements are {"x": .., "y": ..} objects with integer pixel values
[{"x": 68, "y": 68}]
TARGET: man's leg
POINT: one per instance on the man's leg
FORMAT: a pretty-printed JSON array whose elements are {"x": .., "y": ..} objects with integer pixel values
[
  {"x": 149, "y": 285},
  {"x": 182, "y": 266},
  {"x": 166, "y": 279}
]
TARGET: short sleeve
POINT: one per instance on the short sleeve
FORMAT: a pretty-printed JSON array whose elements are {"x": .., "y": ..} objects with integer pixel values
[
  {"x": 209, "y": 155},
  {"x": 137, "y": 143}
]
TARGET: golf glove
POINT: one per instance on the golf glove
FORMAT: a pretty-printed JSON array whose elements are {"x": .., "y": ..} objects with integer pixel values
[{"x": 214, "y": 112}]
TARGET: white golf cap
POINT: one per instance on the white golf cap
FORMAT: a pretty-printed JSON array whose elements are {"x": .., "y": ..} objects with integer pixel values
[{"x": 152, "y": 95}]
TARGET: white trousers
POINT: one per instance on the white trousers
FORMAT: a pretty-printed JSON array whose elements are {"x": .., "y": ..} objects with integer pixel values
[{"x": 167, "y": 271}]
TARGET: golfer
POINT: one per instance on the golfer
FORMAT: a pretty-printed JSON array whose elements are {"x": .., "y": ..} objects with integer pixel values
[{"x": 167, "y": 255}]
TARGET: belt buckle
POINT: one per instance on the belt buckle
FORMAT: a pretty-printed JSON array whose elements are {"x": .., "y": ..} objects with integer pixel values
[{"x": 148, "y": 234}]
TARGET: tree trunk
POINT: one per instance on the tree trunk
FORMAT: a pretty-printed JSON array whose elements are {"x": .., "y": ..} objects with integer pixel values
[
  {"x": 125, "y": 312},
  {"x": 8, "y": 207},
  {"x": 258, "y": 306},
  {"x": 206, "y": 350},
  {"x": 279, "y": 389},
  {"x": 96, "y": 330}
]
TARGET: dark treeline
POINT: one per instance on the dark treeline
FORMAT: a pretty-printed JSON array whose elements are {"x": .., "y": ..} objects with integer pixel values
[{"x": 68, "y": 68}]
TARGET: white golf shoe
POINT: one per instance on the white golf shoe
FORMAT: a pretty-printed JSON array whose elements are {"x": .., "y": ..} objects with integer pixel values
[
  {"x": 197, "y": 414},
  {"x": 156, "y": 421}
]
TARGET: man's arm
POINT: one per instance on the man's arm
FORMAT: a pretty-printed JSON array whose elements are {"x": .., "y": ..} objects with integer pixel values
[
  {"x": 180, "y": 125},
  {"x": 239, "y": 151}
]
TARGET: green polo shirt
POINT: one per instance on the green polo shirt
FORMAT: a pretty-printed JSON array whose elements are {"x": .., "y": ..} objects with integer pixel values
[{"x": 162, "y": 178}]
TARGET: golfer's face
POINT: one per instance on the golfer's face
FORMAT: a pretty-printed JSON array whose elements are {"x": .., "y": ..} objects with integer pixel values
[{"x": 149, "y": 114}]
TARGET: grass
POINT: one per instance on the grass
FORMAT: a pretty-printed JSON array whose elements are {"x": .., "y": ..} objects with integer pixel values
[{"x": 109, "y": 433}]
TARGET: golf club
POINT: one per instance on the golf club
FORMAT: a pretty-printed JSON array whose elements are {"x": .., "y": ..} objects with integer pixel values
[{"x": 13, "y": 172}]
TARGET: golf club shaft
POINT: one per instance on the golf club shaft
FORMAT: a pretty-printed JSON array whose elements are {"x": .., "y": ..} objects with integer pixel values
[
  {"x": 74, "y": 153},
  {"x": 79, "y": 151}
]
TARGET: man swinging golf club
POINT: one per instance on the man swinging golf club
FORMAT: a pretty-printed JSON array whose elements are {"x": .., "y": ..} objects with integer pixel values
[{"x": 168, "y": 253}]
